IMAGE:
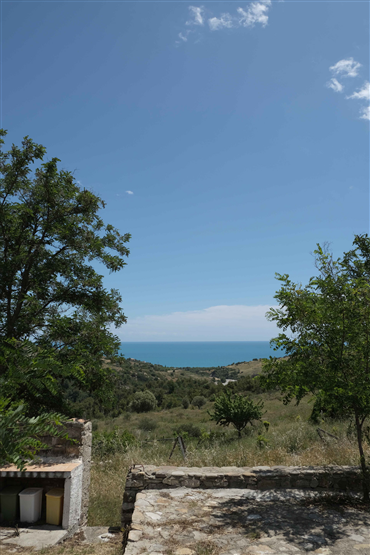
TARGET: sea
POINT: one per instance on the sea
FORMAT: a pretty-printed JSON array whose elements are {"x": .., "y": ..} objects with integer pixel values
[{"x": 193, "y": 354}]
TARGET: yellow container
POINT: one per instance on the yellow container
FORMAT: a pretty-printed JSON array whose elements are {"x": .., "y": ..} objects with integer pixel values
[{"x": 54, "y": 506}]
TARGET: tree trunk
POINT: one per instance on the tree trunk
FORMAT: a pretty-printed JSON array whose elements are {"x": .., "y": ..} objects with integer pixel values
[{"x": 365, "y": 472}]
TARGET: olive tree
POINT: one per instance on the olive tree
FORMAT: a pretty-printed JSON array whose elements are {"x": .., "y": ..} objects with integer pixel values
[{"x": 326, "y": 335}]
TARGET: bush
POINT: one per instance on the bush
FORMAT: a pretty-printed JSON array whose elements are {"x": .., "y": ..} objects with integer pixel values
[
  {"x": 147, "y": 424},
  {"x": 144, "y": 401},
  {"x": 185, "y": 403},
  {"x": 106, "y": 443},
  {"x": 262, "y": 441},
  {"x": 199, "y": 401},
  {"x": 190, "y": 429},
  {"x": 236, "y": 410}
]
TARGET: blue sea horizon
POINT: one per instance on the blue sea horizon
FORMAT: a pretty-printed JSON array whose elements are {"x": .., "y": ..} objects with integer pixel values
[{"x": 201, "y": 354}]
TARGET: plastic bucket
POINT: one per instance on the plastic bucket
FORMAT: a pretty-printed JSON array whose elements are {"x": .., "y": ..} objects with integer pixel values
[
  {"x": 10, "y": 502},
  {"x": 30, "y": 501},
  {"x": 54, "y": 506}
]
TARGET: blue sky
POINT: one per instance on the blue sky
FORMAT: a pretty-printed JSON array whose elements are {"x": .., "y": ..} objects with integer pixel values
[{"x": 228, "y": 138}]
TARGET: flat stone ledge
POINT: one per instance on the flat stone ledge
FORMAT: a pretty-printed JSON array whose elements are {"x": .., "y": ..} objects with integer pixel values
[
  {"x": 187, "y": 521},
  {"x": 319, "y": 478}
]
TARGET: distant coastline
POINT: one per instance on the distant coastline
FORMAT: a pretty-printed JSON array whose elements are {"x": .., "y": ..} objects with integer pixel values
[{"x": 197, "y": 354}]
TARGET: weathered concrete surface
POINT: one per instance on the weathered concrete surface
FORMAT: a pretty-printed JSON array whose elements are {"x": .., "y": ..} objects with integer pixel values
[
  {"x": 33, "y": 537},
  {"x": 97, "y": 534},
  {"x": 187, "y": 521}
]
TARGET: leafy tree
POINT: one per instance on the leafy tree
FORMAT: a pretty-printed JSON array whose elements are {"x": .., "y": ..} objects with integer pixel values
[
  {"x": 143, "y": 401},
  {"x": 55, "y": 314},
  {"x": 329, "y": 339},
  {"x": 236, "y": 410},
  {"x": 20, "y": 435},
  {"x": 199, "y": 401}
]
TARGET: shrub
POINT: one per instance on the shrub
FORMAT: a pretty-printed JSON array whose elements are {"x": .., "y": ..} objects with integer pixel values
[
  {"x": 262, "y": 441},
  {"x": 147, "y": 424},
  {"x": 109, "y": 443},
  {"x": 199, "y": 401},
  {"x": 185, "y": 403},
  {"x": 143, "y": 401},
  {"x": 236, "y": 410},
  {"x": 190, "y": 429}
]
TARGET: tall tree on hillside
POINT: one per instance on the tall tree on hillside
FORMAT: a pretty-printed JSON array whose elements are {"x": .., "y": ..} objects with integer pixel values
[
  {"x": 55, "y": 314},
  {"x": 326, "y": 334}
]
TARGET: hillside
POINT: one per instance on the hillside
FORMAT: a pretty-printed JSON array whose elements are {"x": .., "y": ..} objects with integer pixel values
[{"x": 172, "y": 387}]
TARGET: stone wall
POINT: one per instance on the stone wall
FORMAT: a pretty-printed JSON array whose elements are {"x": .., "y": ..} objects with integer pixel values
[
  {"x": 318, "y": 478},
  {"x": 80, "y": 431}
]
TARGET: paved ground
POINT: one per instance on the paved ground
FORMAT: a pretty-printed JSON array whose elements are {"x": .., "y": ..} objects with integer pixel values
[
  {"x": 245, "y": 522},
  {"x": 37, "y": 537}
]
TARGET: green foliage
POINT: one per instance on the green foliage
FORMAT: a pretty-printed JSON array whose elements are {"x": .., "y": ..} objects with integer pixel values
[
  {"x": 147, "y": 424},
  {"x": 20, "y": 435},
  {"x": 105, "y": 444},
  {"x": 185, "y": 403},
  {"x": 143, "y": 401},
  {"x": 266, "y": 425},
  {"x": 192, "y": 430},
  {"x": 328, "y": 343},
  {"x": 262, "y": 442},
  {"x": 199, "y": 401},
  {"x": 236, "y": 410},
  {"x": 55, "y": 314}
]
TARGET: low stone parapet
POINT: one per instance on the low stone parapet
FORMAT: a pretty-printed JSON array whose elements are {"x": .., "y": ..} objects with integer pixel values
[{"x": 319, "y": 478}]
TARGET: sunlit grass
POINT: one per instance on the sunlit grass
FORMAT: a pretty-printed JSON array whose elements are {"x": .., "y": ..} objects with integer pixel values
[{"x": 291, "y": 440}]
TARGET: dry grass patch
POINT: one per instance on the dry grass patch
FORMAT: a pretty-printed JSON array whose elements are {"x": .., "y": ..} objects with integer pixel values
[{"x": 291, "y": 440}]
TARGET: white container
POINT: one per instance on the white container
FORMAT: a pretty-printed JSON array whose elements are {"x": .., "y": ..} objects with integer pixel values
[{"x": 30, "y": 502}]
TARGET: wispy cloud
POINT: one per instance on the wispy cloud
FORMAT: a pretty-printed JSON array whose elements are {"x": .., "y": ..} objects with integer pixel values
[
  {"x": 363, "y": 93},
  {"x": 216, "y": 323},
  {"x": 347, "y": 67},
  {"x": 365, "y": 112},
  {"x": 255, "y": 13},
  {"x": 335, "y": 85},
  {"x": 184, "y": 36},
  {"x": 129, "y": 192},
  {"x": 196, "y": 14},
  {"x": 225, "y": 20}
]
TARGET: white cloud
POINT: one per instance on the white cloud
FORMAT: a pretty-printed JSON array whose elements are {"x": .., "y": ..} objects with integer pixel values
[
  {"x": 256, "y": 13},
  {"x": 183, "y": 37},
  {"x": 365, "y": 112},
  {"x": 346, "y": 68},
  {"x": 197, "y": 15},
  {"x": 335, "y": 85},
  {"x": 362, "y": 94},
  {"x": 129, "y": 192},
  {"x": 216, "y": 323},
  {"x": 225, "y": 20}
]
